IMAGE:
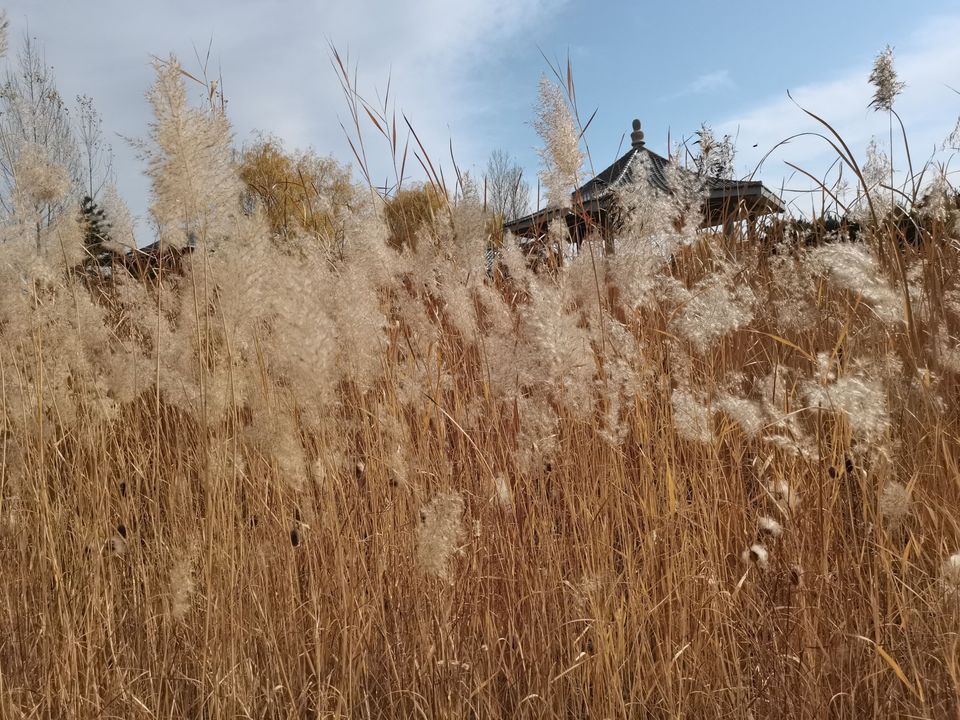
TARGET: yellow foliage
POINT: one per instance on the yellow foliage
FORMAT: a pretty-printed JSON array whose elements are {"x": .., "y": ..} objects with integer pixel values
[
  {"x": 409, "y": 210},
  {"x": 300, "y": 193}
]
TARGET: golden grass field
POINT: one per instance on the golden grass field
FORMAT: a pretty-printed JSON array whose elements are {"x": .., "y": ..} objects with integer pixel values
[{"x": 366, "y": 478}]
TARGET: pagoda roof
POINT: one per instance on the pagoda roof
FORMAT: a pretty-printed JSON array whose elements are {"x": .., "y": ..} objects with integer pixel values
[{"x": 597, "y": 192}]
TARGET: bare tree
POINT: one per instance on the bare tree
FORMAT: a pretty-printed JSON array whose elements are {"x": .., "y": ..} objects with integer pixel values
[
  {"x": 508, "y": 194},
  {"x": 4, "y": 24},
  {"x": 34, "y": 118},
  {"x": 96, "y": 154}
]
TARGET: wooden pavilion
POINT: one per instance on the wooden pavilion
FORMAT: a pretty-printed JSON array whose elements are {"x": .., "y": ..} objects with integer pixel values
[{"x": 594, "y": 206}]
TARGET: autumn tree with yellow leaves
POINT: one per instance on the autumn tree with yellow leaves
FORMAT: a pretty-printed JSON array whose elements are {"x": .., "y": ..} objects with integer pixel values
[
  {"x": 302, "y": 194},
  {"x": 408, "y": 211}
]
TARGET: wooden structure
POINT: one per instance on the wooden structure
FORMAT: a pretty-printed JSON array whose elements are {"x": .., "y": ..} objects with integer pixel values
[
  {"x": 153, "y": 260},
  {"x": 594, "y": 206}
]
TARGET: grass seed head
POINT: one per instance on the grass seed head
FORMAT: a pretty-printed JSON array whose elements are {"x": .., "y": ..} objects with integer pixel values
[
  {"x": 769, "y": 527},
  {"x": 883, "y": 77},
  {"x": 895, "y": 502},
  {"x": 950, "y": 574},
  {"x": 756, "y": 554},
  {"x": 785, "y": 497},
  {"x": 181, "y": 587},
  {"x": 440, "y": 534}
]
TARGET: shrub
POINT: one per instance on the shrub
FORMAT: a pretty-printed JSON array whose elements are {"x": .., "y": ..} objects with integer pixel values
[{"x": 410, "y": 211}]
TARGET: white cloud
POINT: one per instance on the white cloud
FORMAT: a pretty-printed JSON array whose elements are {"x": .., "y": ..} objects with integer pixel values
[
  {"x": 927, "y": 61},
  {"x": 711, "y": 82},
  {"x": 705, "y": 84}
]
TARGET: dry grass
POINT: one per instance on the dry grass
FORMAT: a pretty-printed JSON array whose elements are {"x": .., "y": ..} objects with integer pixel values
[{"x": 383, "y": 484}]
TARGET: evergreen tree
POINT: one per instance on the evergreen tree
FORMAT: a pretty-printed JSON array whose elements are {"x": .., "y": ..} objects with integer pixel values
[{"x": 96, "y": 229}]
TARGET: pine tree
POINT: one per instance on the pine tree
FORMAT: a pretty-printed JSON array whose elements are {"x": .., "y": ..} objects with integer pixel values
[{"x": 96, "y": 229}]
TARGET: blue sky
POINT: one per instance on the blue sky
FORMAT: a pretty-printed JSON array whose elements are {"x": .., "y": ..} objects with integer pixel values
[{"x": 468, "y": 71}]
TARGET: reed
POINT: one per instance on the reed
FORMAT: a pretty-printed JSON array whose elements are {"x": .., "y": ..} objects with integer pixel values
[{"x": 718, "y": 479}]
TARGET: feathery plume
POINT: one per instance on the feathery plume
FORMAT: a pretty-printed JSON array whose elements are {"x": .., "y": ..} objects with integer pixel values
[
  {"x": 950, "y": 574},
  {"x": 785, "y": 497},
  {"x": 117, "y": 545},
  {"x": 691, "y": 417},
  {"x": 895, "y": 502},
  {"x": 121, "y": 237},
  {"x": 558, "y": 234},
  {"x": 716, "y": 156},
  {"x": 440, "y": 534},
  {"x": 770, "y": 527},
  {"x": 853, "y": 267},
  {"x": 883, "y": 77},
  {"x": 862, "y": 400},
  {"x": 756, "y": 554},
  {"x": 196, "y": 189},
  {"x": 38, "y": 180},
  {"x": 560, "y": 154},
  {"x": 713, "y": 310},
  {"x": 952, "y": 140},
  {"x": 181, "y": 587},
  {"x": 4, "y": 26},
  {"x": 748, "y": 414},
  {"x": 645, "y": 208},
  {"x": 503, "y": 493}
]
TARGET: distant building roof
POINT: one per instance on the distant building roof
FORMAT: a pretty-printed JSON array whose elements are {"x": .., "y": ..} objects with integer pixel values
[{"x": 722, "y": 194}]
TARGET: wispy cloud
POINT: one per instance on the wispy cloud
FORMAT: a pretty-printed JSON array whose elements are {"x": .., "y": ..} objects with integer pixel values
[
  {"x": 711, "y": 82},
  {"x": 705, "y": 84}
]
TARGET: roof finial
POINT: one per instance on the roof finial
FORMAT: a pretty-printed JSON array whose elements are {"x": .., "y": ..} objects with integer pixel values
[{"x": 636, "y": 137}]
